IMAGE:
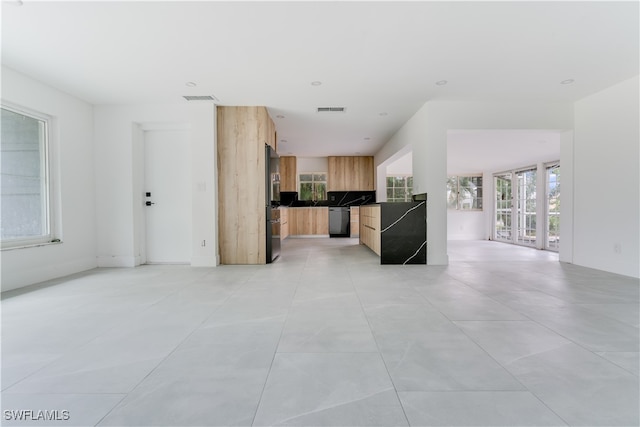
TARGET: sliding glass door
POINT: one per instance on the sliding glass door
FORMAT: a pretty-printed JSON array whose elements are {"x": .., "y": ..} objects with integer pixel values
[
  {"x": 552, "y": 241},
  {"x": 516, "y": 206}
]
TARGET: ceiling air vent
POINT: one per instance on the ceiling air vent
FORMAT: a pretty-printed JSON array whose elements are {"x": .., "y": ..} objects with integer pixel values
[
  {"x": 331, "y": 109},
  {"x": 200, "y": 98}
]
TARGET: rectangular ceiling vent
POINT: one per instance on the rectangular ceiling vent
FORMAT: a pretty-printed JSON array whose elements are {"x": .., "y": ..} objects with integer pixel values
[
  {"x": 331, "y": 109},
  {"x": 200, "y": 98}
]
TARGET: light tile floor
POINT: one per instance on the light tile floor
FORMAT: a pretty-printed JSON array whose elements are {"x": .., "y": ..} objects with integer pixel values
[{"x": 503, "y": 336}]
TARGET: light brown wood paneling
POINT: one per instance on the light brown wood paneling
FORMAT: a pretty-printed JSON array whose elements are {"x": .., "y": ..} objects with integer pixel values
[
  {"x": 354, "y": 221},
  {"x": 370, "y": 227},
  {"x": 288, "y": 173},
  {"x": 351, "y": 173},
  {"x": 309, "y": 221},
  {"x": 284, "y": 223},
  {"x": 242, "y": 133}
]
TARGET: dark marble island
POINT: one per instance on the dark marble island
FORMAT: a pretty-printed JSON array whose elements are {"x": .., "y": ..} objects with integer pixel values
[{"x": 402, "y": 232}]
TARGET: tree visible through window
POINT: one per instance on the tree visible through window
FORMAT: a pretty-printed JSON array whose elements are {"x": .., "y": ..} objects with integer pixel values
[
  {"x": 399, "y": 188},
  {"x": 464, "y": 192},
  {"x": 25, "y": 183},
  {"x": 313, "y": 186}
]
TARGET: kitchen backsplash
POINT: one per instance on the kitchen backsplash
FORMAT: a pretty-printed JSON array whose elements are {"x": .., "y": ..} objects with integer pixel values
[
  {"x": 334, "y": 198},
  {"x": 350, "y": 198}
]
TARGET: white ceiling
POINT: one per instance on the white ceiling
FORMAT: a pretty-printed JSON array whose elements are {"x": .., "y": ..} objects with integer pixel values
[
  {"x": 371, "y": 57},
  {"x": 477, "y": 151}
]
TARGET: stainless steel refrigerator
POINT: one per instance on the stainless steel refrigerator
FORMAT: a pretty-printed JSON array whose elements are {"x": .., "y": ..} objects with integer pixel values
[{"x": 272, "y": 202}]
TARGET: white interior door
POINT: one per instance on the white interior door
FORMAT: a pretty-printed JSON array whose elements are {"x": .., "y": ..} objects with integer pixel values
[{"x": 168, "y": 189}]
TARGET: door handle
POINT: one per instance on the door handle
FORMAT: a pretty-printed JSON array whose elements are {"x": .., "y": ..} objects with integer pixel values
[{"x": 149, "y": 203}]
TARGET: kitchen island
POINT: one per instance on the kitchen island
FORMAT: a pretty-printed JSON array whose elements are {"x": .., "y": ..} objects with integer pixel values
[{"x": 397, "y": 232}]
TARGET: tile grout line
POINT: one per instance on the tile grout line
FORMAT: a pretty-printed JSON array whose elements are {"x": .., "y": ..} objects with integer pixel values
[
  {"x": 171, "y": 352},
  {"x": 384, "y": 363}
]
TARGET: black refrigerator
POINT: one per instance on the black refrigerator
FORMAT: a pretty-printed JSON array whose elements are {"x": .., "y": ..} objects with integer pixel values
[{"x": 272, "y": 202}]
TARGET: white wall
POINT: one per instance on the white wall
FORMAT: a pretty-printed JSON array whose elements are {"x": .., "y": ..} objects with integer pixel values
[
  {"x": 426, "y": 131},
  {"x": 72, "y": 157},
  {"x": 119, "y": 160},
  {"x": 606, "y": 184},
  {"x": 312, "y": 164},
  {"x": 465, "y": 225}
]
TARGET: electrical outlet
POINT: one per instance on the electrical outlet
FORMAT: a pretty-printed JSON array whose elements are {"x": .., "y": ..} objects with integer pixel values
[{"x": 617, "y": 248}]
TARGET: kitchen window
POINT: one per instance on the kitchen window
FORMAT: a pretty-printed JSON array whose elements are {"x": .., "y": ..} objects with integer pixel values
[
  {"x": 313, "y": 186},
  {"x": 464, "y": 192},
  {"x": 399, "y": 188},
  {"x": 26, "y": 186}
]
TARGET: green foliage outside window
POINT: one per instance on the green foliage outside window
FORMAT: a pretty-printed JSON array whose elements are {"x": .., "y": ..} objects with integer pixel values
[
  {"x": 399, "y": 188},
  {"x": 464, "y": 192},
  {"x": 313, "y": 186}
]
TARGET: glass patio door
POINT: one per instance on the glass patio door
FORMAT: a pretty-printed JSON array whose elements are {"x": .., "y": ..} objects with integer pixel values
[
  {"x": 502, "y": 230},
  {"x": 552, "y": 241},
  {"x": 526, "y": 207}
]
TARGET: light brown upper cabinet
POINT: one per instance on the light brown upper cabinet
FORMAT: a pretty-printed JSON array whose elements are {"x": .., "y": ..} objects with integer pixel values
[
  {"x": 242, "y": 134},
  {"x": 288, "y": 173},
  {"x": 351, "y": 173}
]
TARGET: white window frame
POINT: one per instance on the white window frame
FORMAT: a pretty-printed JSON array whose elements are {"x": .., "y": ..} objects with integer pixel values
[
  {"x": 50, "y": 186},
  {"x": 547, "y": 216},
  {"x": 326, "y": 187},
  {"x": 471, "y": 175},
  {"x": 406, "y": 188}
]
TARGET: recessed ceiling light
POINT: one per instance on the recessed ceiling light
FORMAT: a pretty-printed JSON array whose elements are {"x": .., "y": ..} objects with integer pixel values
[
  {"x": 567, "y": 82},
  {"x": 289, "y": 152},
  {"x": 366, "y": 138},
  {"x": 190, "y": 84},
  {"x": 357, "y": 152},
  {"x": 383, "y": 114},
  {"x": 441, "y": 82},
  {"x": 316, "y": 83},
  {"x": 283, "y": 140},
  {"x": 280, "y": 116}
]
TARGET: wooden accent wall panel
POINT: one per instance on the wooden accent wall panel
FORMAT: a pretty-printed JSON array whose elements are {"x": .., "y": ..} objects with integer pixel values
[
  {"x": 241, "y": 135},
  {"x": 266, "y": 124},
  {"x": 351, "y": 173},
  {"x": 288, "y": 173},
  {"x": 308, "y": 221}
]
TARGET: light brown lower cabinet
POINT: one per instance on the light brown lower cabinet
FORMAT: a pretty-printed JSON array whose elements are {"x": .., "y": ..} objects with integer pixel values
[
  {"x": 284, "y": 223},
  {"x": 370, "y": 227},
  {"x": 354, "y": 221},
  {"x": 308, "y": 221}
]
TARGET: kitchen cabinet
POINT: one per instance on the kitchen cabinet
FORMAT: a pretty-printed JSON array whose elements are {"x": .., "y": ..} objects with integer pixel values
[
  {"x": 284, "y": 223},
  {"x": 288, "y": 173},
  {"x": 308, "y": 221},
  {"x": 354, "y": 225},
  {"x": 242, "y": 133},
  {"x": 351, "y": 173},
  {"x": 370, "y": 227}
]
